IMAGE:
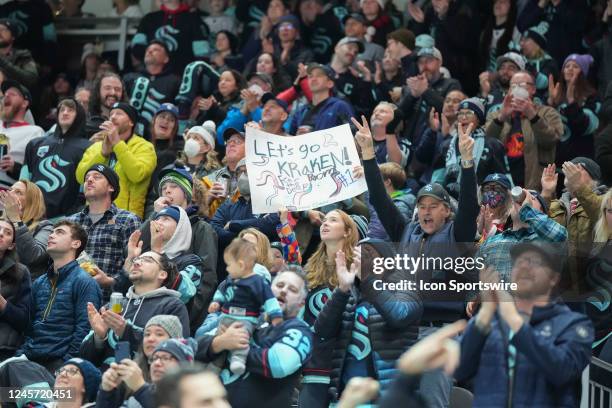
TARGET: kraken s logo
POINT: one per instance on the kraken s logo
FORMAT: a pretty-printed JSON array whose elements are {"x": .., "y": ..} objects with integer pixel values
[
  {"x": 318, "y": 300},
  {"x": 49, "y": 167},
  {"x": 167, "y": 35}
]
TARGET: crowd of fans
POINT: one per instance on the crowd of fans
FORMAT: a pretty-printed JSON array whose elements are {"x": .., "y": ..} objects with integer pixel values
[{"x": 134, "y": 273}]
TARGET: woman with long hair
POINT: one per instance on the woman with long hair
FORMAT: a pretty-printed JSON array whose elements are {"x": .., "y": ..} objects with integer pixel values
[
  {"x": 199, "y": 150},
  {"x": 216, "y": 106},
  {"x": 338, "y": 233},
  {"x": 24, "y": 206},
  {"x": 599, "y": 280},
  {"x": 499, "y": 34},
  {"x": 539, "y": 62},
  {"x": 262, "y": 245},
  {"x": 15, "y": 293},
  {"x": 578, "y": 103},
  {"x": 268, "y": 63}
]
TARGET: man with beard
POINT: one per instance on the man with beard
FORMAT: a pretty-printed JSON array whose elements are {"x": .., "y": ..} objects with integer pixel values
[
  {"x": 15, "y": 132},
  {"x": 16, "y": 64},
  {"x": 494, "y": 87},
  {"x": 425, "y": 91},
  {"x": 276, "y": 355},
  {"x": 530, "y": 340},
  {"x": 49, "y": 159},
  {"x": 354, "y": 84},
  {"x": 132, "y": 157},
  {"x": 108, "y": 227},
  {"x": 153, "y": 86},
  {"x": 106, "y": 92}
]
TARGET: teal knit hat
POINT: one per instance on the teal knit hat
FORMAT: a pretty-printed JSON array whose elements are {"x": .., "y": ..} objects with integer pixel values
[{"x": 179, "y": 176}]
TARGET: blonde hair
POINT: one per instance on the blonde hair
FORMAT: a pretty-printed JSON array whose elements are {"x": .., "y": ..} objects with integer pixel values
[
  {"x": 264, "y": 256},
  {"x": 602, "y": 231},
  {"x": 241, "y": 249},
  {"x": 321, "y": 271},
  {"x": 201, "y": 197},
  {"x": 35, "y": 209}
]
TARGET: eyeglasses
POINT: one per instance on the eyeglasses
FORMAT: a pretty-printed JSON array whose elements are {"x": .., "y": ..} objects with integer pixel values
[
  {"x": 468, "y": 114},
  {"x": 286, "y": 26},
  {"x": 530, "y": 261},
  {"x": 521, "y": 85},
  {"x": 70, "y": 371},
  {"x": 163, "y": 359},
  {"x": 235, "y": 140},
  {"x": 146, "y": 259}
]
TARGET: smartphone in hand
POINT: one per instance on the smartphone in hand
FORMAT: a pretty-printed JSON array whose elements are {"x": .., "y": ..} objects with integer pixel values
[{"x": 122, "y": 351}]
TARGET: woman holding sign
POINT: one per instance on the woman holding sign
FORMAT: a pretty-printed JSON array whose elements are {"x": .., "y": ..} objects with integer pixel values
[{"x": 338, "y": 233}]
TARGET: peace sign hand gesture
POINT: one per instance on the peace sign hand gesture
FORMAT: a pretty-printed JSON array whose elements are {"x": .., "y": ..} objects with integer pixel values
[
  {"x": 364, "y": 138},
  {"x": 466, "y": 143}
]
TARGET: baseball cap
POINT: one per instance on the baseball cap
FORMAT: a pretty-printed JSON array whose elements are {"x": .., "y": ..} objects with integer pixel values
[
  {"x": 436, "y": 191},
  {"x": 327, "y": 70},
  {"x": 261, "y": 75},
  {"x": 430, "y": 52},
  {"x": 291, "y": 19},
  {"x": 10, "y": 83},
  {"x": 268, "y": 96},
  {"x": 548, "y": 251},
  {"x": 229, "y": 132},
  {"x": 512, "y": 57},
  {"x": 355, "y": 16},
  {"x": 167, "y": 107},
  {"x": 498, "y": 178},
  {"x": 353, "y": 40}
]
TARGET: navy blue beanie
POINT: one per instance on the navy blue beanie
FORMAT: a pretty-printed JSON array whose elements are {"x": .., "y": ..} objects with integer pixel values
[{"x": 91, "y": 376}]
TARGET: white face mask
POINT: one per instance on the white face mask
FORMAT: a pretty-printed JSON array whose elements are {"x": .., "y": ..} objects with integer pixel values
[{"x": 191, "y": 148}]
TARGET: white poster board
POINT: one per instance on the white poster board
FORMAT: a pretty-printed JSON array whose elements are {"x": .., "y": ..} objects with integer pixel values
[{"x": 301, "y": 172}]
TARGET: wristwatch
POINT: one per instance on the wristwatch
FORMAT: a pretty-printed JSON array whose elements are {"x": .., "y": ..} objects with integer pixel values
[{"x": 466, "y": 164}]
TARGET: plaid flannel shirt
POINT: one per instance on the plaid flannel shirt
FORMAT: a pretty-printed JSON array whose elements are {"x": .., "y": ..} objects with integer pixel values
[
  {"x": 108, "y": 238},
  {"x": 496, "y": 249}
]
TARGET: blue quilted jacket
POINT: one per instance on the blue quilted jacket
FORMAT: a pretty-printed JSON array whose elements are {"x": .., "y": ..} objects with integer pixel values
[{"x": 59, "y": 305}]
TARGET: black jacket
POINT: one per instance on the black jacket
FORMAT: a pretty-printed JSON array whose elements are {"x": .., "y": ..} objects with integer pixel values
[
  {"x": 392, "y": 320},
  {"x": 15, "y": 318},
  {"x": 51, "y": 163}
]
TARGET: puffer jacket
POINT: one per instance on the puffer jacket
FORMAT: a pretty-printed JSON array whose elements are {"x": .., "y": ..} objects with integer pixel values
[
  {"x": 15, "y": 287},
  {"x": 137, "y": 312},
  {"x": 391, "y": 323},
  {"x": 59, "y": 303},
  {"x": 552, "y": 349},
  {"x": 134, "y": 162},
  {"x": 540, "y": 136}
]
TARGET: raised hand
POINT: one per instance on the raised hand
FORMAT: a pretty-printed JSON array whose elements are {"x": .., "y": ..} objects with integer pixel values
[
  {"x": 378, "y": 74},
  {"x": 346, "y": 276},
  {"x": 434, "y": 120},
  {"x": 358, "y": 391},
  {"x": 206, "y": 103},
  {"x": 364, "y": 138},
  {"x": 434, "y": 351},
  {"x": 283, "y": 215},
  {"x": 488, "y": 298},
  {"x": 573, "y": 174},
  {"x": 524, "y": 106},
  {"x": 466, "y": 143},
  {"x": 134, "y": 245},
  {"x": 130, "y": 373},
  {"x": 554, "y": 91},
  {"x": 12, "y": 205},
  {"x": 485, "y": 83},
  {"x": 98, "y": 325},
  {"x": 417, "y": 85},
  {"x": 549, "y": 180},
  {"x": 506, "y": 110},
  {"x": 416, "y": 12}
]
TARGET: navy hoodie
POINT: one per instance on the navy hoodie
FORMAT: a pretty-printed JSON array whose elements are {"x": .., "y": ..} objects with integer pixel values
[{"x": 51, "y": 160}]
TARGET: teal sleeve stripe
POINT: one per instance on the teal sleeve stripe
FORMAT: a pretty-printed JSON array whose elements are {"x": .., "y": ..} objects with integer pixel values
[
  {"x": 199, "y": 48},
  {"x": 593, "y": 122},
  {"x": 283, "y": 360},
  {"x": 25, "y": 173},
  {"x": 139, "y": 39},
  {"x": 49, "y": 34},
  {"x": 272, "y": 307}
]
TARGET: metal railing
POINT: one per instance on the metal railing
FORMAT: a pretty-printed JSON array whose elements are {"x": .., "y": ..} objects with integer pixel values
[
  {"x": 600, "y": 384},
  {"x": 100, "y": 28}
]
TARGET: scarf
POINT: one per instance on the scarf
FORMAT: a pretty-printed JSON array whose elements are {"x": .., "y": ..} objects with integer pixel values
[{"x": 453, "y": 157}]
